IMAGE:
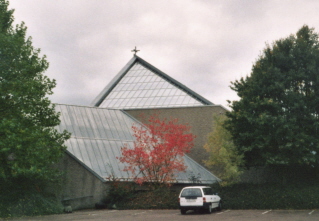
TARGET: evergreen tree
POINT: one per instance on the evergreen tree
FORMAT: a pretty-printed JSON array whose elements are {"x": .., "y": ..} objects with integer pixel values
[
  {"x": 29, "y": 143},
  {"x": 276, "y": 120}
]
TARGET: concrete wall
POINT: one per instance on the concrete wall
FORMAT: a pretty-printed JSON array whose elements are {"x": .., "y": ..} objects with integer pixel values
[
  {"x": 199, "y": 118},
  {"x": 80, "y": 187}
]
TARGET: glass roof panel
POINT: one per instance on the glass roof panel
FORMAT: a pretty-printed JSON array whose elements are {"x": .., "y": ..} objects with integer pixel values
[
  {"x": 141, "y": 88},
  {"x": 97, "y": 135}
]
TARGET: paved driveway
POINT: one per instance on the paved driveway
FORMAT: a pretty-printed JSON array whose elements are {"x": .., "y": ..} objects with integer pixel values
[{"x": 169, "y": 215}]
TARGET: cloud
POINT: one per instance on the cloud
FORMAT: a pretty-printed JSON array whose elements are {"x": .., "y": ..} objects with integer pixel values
[{"x": 203, "y": 44}]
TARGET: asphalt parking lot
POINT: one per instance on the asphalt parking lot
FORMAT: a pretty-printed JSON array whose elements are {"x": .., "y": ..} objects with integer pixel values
[{"x": 168, "y": 215}]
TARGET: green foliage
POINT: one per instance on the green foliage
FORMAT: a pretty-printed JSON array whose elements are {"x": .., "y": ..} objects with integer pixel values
[
  {"x": 29, "y": 143},
  {"x": 26, "y": 197},
  {"x": 161, "y": 198},
  {"x": 118, "y": 193},
  {"x": 224, "y": 160},
  {"x": 270, "y": 196},
  {"x": 276, "y": 120},
  {"x": 300, "y": 194}
]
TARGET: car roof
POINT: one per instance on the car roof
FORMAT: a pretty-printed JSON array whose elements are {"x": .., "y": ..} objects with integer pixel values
[{"x": 196, "y": 187}]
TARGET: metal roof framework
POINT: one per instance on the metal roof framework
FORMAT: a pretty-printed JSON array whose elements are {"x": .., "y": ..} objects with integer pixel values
[{"x": 165, "y": 89}]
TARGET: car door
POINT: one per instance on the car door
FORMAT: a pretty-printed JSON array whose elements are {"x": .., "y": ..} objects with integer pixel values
[{"x": 211, "y": 197}]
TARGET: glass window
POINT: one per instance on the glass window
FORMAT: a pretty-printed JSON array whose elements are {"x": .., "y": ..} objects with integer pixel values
[
  {"x": 184, "y": 99},
  {"x": 187, "y": 100},
  {"x": 154, "y": 84},
  {"x": 106, "y": 103},
  {"x": 165, "y": 85},
  {"x": 155, "y": 101},
  {"x": 154, "y": 93},
  {"x": 142, "y": 103},
  {"x": 133, "y": 94},
  {"x": 153, "y": 78},
  {"x": 179, "y": 92},
  {"x": 148, "y": 86},
  {"x": 142, "y": 73},
  {"x": 143, "y": 93},
  {"x": 166, "y": 92},
  {"x": 137, "y": 86},
  {"x": 137, "y": 93},
  {"x": 125, "y": 80},
  {"x": 148, "y": 93},
  {"x": 161, "y": 101},
  {"x": 119, "y": 87},
  {"x": 196, "y": 192},
  {"x": 121, "y": 102},
  {"x": 141, "y": 82},
  {"x": 172, "y": 101},
  {"x": 120, "y": 94},
  {"x": 148, "y": 78},
  {"x": 147, "y": 102},
  {"x": 208, "y": 191},
  {"x": 129, "y": 102},
  {"x": 180, "y": 99},
  {"x": 125, "y": 94},
  {"x": 130, "y": 87},
  {"x": 136, "y": 102},
  {"x": 138, "y": 79},
  {"x": 161, "y": 92},
  {"x": 160, "y": 84},
  {"x": 133, "y": 80}
]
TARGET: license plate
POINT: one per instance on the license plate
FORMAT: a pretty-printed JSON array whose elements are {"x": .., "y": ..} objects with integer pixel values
[{"x": 190, "y": 200}]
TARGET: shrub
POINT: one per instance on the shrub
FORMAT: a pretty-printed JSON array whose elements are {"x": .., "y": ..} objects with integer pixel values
[
  {"x": 270, "y": 196},
  {"x": 25, "y": 197}
]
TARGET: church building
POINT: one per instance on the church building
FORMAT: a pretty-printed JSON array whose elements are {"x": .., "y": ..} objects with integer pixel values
[{"x": 99, "y": 131}]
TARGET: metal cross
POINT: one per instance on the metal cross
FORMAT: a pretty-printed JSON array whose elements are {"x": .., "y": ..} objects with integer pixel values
[{"x": 135, "y": 50}]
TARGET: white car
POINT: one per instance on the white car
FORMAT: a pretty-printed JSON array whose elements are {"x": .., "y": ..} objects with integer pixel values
[{"x": 197, "y": 198}]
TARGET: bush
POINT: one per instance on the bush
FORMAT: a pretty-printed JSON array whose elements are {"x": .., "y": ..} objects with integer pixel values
[
  {"x": 119, "y": 192},
  {"x": 25, "y": 197},
  {"x": 29, "y": 204},
  {"x": 270, "y": 196},
  {"x": 295, "y": 195},
  {"x": 124, "y": 196},
  {"x": 163, "y": 198}
]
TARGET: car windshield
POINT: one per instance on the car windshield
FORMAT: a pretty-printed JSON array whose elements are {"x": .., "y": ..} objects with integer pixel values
[
  {"x": 208, "y": 191},
  {"x": 191, "y": 192}
]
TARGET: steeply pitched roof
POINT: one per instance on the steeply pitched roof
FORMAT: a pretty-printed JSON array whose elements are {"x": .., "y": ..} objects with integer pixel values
[
  {"x": 141, "y": 85},
  {"x": 97, "y": 137}
]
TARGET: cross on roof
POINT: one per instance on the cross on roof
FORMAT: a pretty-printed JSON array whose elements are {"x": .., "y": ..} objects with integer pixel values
[{"x": 135, "y": 50}]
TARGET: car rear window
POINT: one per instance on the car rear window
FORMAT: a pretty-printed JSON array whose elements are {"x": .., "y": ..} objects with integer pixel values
[
  {"x": 191, "y": 192},
  {"x": 208, "y": 191}
]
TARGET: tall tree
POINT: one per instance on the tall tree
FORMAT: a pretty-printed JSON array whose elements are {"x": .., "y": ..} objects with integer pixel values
[
  {"x": 158, "y": 150},
  {"x": 29, "y": 144},
  {"x": 224, "y": 159},
  {"x": 276, "y": 120}
]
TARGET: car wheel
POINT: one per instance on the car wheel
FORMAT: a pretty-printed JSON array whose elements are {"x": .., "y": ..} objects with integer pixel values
[
  {"x": 219, "y": 208},
  {"x": 209, "y": 209},
  {"x": 183, "y": 211}
]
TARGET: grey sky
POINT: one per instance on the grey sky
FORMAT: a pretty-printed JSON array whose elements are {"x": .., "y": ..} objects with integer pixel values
[{"x": 203, "y": 44}]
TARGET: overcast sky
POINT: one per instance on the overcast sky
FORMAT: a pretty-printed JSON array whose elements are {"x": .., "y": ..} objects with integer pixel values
[{"x": 204, "y": 44}]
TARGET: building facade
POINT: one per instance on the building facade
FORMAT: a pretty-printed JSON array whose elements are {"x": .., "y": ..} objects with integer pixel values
[{"x": 99, "y": 131}]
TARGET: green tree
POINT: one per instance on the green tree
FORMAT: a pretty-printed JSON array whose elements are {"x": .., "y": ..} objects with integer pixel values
[
  {"x": 276, "y": 120},
  {"x": 224, "y": 159},
  {"x": 29, "y": 143}
]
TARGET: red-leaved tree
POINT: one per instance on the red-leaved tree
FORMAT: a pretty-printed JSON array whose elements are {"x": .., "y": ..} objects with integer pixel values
[{"x": 158, "y": 151}]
